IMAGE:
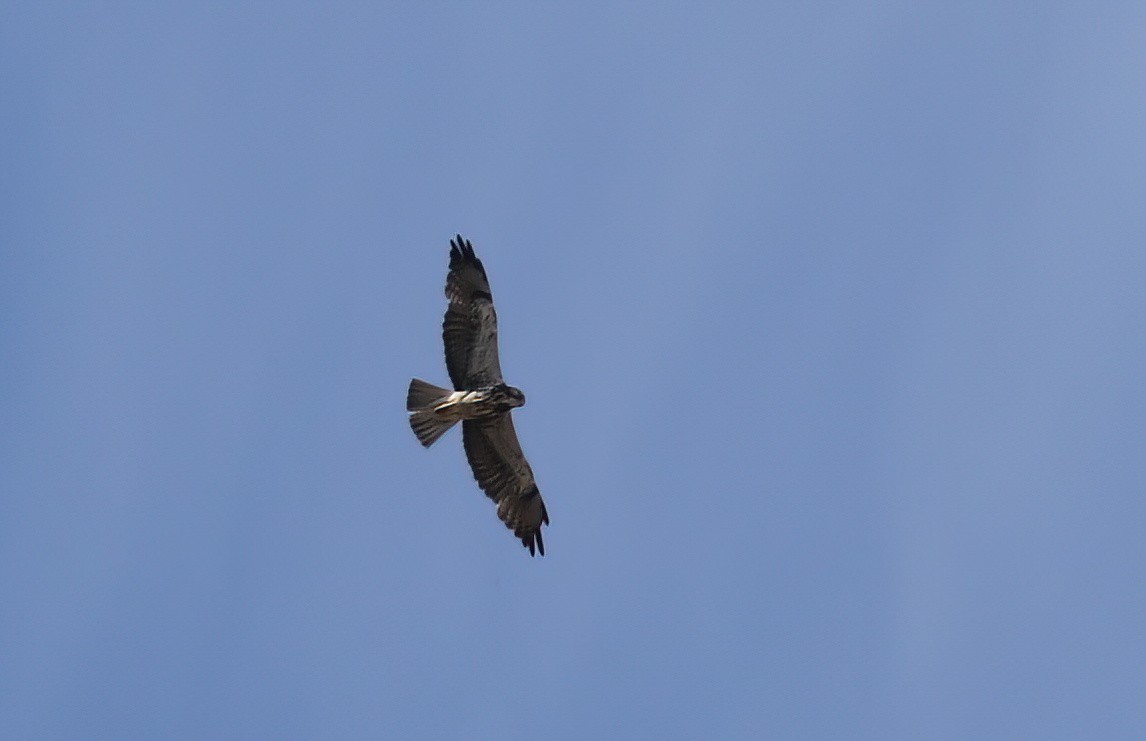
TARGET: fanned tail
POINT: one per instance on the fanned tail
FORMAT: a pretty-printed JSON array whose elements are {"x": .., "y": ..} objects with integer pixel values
[
  {"x": 420, "y": 402},
  {"x": 422, "y": 394}
]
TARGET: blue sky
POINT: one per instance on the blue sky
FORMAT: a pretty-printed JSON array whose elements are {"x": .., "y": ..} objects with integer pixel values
[{"x": 830, "y": 319}]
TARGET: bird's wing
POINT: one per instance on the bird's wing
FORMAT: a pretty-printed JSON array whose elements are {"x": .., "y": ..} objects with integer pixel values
[
  {"x": 470, "y": 327},
  {"x": 505, "y": 476}
]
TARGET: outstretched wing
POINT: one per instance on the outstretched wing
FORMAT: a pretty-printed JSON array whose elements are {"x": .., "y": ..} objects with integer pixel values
[
  {"x": 470, "y": 327},
  {"x": 505, "y": 476}
]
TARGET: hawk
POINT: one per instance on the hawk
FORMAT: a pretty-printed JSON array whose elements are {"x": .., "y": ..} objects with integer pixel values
[{"x": 481, "y": 401}]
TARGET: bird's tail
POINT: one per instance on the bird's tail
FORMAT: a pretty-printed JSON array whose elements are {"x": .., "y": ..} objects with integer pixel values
[{"x": 420, "y": 402}]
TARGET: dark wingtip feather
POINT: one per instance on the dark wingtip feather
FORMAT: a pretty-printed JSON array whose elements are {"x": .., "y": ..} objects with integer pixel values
[
  {"x": 462, "y": 250},
  {"x": 532, "y": 540},
  {"x": 464, "y": 246}
]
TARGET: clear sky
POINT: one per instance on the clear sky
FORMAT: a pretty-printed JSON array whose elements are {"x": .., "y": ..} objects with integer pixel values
[{"x": 830, "y": 317}]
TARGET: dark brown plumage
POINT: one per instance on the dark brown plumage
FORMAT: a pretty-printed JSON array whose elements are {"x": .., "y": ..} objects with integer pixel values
[{"x": 481, "y": 400}]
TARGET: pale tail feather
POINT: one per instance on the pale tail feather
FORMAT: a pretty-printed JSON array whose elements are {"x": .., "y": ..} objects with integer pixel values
[
  {"x": 422, "y": 394},
  {"x": 420, "y": 400},
  {"x": 429, "y": 426}
]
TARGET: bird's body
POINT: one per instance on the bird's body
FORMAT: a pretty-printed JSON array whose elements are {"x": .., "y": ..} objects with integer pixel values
[
  {"x": 483, "y": 403},
  {"x": 480, "y": 400}
]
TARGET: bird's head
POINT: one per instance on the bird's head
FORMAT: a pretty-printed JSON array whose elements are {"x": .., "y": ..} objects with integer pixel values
[
  {"x": 509, "y": 397},
  {"x": 504, "y": 397}
]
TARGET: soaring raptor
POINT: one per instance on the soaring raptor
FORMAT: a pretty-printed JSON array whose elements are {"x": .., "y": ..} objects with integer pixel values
[{"x": 481, "y": 401}]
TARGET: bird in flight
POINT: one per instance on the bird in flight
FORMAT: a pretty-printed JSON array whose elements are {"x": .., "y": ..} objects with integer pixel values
[{"x": 481, "y": 401}]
